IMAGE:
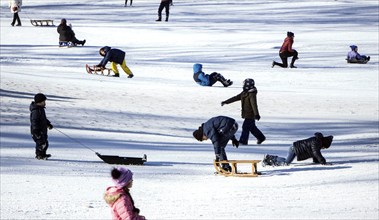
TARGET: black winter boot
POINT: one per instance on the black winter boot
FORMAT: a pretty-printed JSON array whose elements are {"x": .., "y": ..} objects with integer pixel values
[{"x": 159, "y": 19}]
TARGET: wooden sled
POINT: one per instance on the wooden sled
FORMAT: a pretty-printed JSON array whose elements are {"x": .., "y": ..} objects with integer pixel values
[
  {"x": 98, "y": 70},
  {"x": 42, "y": 23},
  {"x": 235, "y": 172},
  {"x": 111, "y": 159}
]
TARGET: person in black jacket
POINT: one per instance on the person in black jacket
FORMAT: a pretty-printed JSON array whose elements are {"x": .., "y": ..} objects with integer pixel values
[
  {"x": 66, "y": 34},
  {"x": 302, "y": 149},
  {"x": 115, "y": 56},
  {"x": 39, "y": 125}
]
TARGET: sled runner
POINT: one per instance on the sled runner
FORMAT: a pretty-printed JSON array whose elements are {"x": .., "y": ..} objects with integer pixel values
[
  {"x": 45, "y": 23},
  {"x": 98, "y": 70},
  {"x": 123, "y": 160},
  {"x": 235, "y": 172}
]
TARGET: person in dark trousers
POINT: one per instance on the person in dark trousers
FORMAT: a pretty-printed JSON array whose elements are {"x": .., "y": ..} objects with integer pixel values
[
  {"x": 287, "y": 51},
  {"x": 126, "y": 2},
  {"x": 164, "y": 4},
  {"x": 208, "y": 80},
  {"x": 219, "y": 130},
  {"x": 302, "y": 149},
  {"x": 249, "y": 111},
  {"x": 115, "y": 56},
  {"x": 66, "y": 34},
  {"x": 39, "y": 125},
  {"x": 15, "y": 6}
]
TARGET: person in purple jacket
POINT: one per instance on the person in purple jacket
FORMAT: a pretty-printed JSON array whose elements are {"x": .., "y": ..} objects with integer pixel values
[
  {"x": 354, "y": 57},
  {"x": 115, "y": 56}
]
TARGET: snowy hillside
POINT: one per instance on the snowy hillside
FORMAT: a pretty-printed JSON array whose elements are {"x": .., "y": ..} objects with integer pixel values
[{"x": 155, "y": 112}]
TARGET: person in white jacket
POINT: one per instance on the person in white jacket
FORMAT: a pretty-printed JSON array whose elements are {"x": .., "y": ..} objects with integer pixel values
[{"x": 15, "y": 6}]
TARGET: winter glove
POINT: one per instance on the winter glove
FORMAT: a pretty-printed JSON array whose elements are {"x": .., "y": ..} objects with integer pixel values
[
  {"x": 235, "y": 142},
  {"x": 223, "y": 103},
  {"x": 257, "y": 117},
  {"x": 50, "y": 126}
]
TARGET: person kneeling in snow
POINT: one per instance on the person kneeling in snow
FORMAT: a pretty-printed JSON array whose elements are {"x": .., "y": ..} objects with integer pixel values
[
  {"x": 208, "y": 80},
  {"x": 220, "y": 130},
  {"x": 115, "y": 56},
  {"x": 302, "y": 149},
  {"x": 118, "y": 197},
  {"x": 354, "y": 57}
]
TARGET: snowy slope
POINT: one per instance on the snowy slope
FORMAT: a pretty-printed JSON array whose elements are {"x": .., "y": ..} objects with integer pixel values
[{"x": 155, "y": 112}]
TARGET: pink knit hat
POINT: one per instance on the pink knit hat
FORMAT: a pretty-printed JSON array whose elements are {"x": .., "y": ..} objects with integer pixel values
[{"x": 121, "y": 176}]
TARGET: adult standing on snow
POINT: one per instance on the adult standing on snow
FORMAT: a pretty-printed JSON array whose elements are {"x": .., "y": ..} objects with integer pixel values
[
  {"x": 219, "y": 130},
  {"x": 208, "y": 80},
  {"x": 287, "y": 51},
  {"x": 66, "y": 34},
  {"x": 115, "y": 56},
  {"x": 249, "y": 111},
  {"x": 39, "y": 125},
  {"x": 15, "y": 6},
  {"x": 302, "y": 149},
  {"x": 118, "y": 197},
  {"x": 164, "y": 4},
  {"x": 126, "y": 2}
]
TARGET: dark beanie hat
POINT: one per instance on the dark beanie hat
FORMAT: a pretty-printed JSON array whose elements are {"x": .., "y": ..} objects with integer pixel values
[
  {"x": 327, "y": 141},
  {"x": 39, "y": 98},
  {"x": 198, "y": 134},
  {"x": 290, "y": 34}
]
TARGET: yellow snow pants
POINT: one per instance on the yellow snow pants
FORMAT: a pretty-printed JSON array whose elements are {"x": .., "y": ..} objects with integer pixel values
[{"x": 123, "y": 66}]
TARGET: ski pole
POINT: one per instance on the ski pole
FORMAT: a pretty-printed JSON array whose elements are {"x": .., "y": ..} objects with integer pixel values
[{"x": 74, "y": 140}]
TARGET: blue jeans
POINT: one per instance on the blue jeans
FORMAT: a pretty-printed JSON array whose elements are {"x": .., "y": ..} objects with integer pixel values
[
  {"x": 249, "y": 126},
  {"x": 291, "y": 155}
]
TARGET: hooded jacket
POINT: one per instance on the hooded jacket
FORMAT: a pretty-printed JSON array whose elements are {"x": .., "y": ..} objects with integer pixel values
[
  {"x": 65, "y": 32},
  {"x": 112, "y": 55},
  {"x": 121, "y": 204},
  {"x": 249, "y": 107},
  {"x": 217, "y": 129},
  {"x": 39, "y": 122},
  {"x": 311, "y": 147},
  {"x": 199, "y": 76}
]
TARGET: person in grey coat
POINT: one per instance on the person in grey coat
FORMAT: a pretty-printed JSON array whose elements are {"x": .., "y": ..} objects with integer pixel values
[{"x": 219, "y": 130}]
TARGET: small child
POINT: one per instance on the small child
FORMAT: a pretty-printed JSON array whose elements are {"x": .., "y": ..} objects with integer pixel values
[
  {"x": 208, "y": 80},
  {"x": 250, "y": 113},
  {"x": 354, "y": 57},
  {"x": 39, "y": 126},
  {"x": 115, "y": 56},
  {"x": 118, "y": 197}
]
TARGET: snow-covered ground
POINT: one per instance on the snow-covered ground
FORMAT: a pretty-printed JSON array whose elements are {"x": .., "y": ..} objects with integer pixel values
[{"x": 155, "y": 112}]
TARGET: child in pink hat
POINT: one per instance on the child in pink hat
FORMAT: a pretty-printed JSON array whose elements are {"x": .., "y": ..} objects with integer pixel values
[{"x": 118, "y": 196}]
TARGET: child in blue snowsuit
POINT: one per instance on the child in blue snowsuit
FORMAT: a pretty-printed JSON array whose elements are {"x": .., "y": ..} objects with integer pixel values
[
  {"x": 208, "y": 80},
  {"x": 219, "y": 130},
  {"x": 115, "y": 56}
]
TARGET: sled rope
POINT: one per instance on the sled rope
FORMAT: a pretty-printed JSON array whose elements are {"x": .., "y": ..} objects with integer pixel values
[{"x": 74, "y": 140}]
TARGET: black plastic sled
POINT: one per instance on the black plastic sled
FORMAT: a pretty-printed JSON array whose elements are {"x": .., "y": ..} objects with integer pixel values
[{"x": 111, "y": 159}]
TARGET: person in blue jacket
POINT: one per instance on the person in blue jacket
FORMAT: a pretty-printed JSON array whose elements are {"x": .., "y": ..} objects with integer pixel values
[
  {"x": 208, "y": 80},
  {"x": 115, "y": 56},
  {"x": 219, "y": 130}
]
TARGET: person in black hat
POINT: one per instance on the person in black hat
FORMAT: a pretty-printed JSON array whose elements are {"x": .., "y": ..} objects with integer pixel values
[
  {"x": 302, "y": 149},
  {"x": 39, "y": 126},
  {"x": 219, "y": 130},
  {"x": 287, "y": 51}
]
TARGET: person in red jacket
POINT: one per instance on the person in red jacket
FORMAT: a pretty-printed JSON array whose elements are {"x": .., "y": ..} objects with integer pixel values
[
  {"x": 118, "y": 197},
  {"x": 287, "y": 51}
]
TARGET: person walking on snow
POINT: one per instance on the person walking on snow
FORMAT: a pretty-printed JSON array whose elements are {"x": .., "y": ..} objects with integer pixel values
[
  {"x": 354, "y": 57},
  {"x": 164, "y": 4},
  {"x": 66, "y": 34},
  {"x": 118, "y": 197},
  {"x": 208, "y": 80},
  {"x": 302, "y": 149},
  {"x": 287, "y": 51},
  {"x": 115, "y": 56},
  {"x": 15, "y": 6},
  {"x": 126, "y": 2},
  {"x": 219, "y": 130},
  {"x": 249, "y": 111},
  {"x": 39, "y": 125}
]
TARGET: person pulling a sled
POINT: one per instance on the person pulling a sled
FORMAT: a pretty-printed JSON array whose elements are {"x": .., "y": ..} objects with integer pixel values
[
  {"x": 287, "y": 51},
  {"x": 115, "y": 56},
  {"x": 39, "y": 125},
  {"x": 219, "y": 130},
  {"x": 66, "y": 34},
  {"x": 354, "y": 57},
  {"x": 15, "y": 6},
  {"x": 249, "y": 111},
  {"x": 208, "y": 80},
  {"x": 118, "y": 196},
  {"x": 302, "y": 149}
]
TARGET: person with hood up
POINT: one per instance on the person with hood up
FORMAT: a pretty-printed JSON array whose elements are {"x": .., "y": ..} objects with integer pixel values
[
  {"x": 39, "y": 125},
  {"x": 15, "y": 6},
  {"x": 208, "y": 80},
  {"x": 287, "y": 51},
  {"x": 302, "y": 149},
  {"x": 354, "y": 57},
  {"x": 219, "y": 130},
  {"x": 115, "y": 56},
  {"x": 118, "y": 196},
  {"x": 66, "y": 34},
  {"x": 249, "y": 111}
]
